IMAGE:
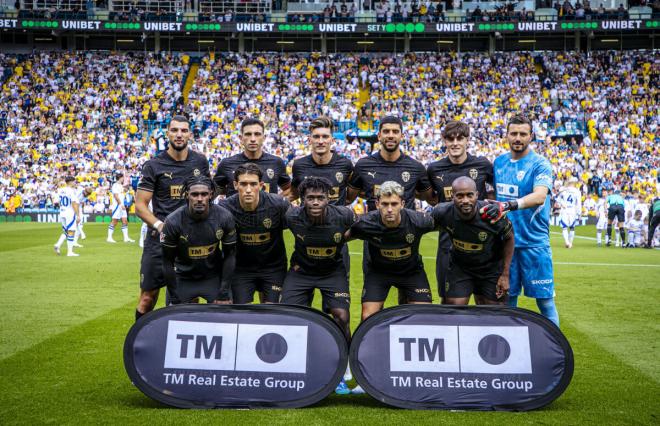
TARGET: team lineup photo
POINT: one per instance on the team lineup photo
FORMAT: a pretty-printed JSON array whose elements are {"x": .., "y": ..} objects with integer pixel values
[{"x": 385, "y": 211}]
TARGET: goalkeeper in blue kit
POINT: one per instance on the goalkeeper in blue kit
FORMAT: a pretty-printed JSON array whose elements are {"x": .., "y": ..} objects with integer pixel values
[{"x": 523, "y": 181}]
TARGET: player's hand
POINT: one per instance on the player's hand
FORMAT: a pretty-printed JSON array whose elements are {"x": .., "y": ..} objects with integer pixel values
[
  {"x": 78, "y": 220},
  {"x": 223, "y": 302},
  {"x": 502, "y": 287},
  {"x": 493, "y": 211}
]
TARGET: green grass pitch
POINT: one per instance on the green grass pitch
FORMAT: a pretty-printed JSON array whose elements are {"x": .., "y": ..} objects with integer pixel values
[{"x": 64, "y": 321}]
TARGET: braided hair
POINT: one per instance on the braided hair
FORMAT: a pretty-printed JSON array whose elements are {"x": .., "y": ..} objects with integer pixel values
[{"x": 198, "y": 180}]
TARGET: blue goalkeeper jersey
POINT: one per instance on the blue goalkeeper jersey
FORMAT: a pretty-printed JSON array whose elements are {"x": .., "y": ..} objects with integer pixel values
[{"x": 517, "y": 178}]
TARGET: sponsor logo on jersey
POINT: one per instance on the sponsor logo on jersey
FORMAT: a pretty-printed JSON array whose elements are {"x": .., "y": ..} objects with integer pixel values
[
  {"x": 396, "y": 254},
  {"x": 372, "y": 174},
  {"x": 267, "y": 223},
  {"x": 168, "y": 175},
  {"x": 537, "y": 282},
  {"x": 441, "y": 178},
  {"x": 334, "y": 193},
  {"x": 200, "y": 252},
  {"x": 339, "y": 176},
  {"x": 176, "y": 192},
  {"x": 321, "y": 252},
  {"x": 474, "y": 173},
  {"x": 507, "y": 191},
  {"x": 448, "y": 192},
  {"x": 405, "y": 176},
  {"x": 347, "y": 295},
  {"x": 255, "y": 239},
  {"x": 302, "y": 237},
  {"x": 467, "y": 247}
]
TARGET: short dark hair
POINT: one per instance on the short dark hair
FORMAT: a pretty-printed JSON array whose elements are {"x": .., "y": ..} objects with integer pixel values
[
  {"x": 199, "y": 180},
  {"x": 455, "y": 129},
  {"x": 390, "y": 119},
  {"x": 321, "y": 122},
  {"x": 520, "y": 119},
  {"x": 251, "y": 122},
  {"x": 179, "y": 118},
  {"x": 69, "y": 178},
  {"x": 248, "y": 169},
  {"x": 314, "y": 182}
]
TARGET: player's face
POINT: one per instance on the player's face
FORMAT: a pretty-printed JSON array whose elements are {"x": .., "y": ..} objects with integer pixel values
[
  {"x": 321, "y": 140},
  {"x": 315, "y": 201},
  {"x": 199, "y": 199},
  {"x": 248, "y": 187},
  {"x": 390, "y": 137},
  {"x": 390, "y": 208},
  {"x": 179, "y": 134},
  {"x": 456, "y": 145},
  {"x": 519, "y": 137},
  {"x": 252, "y": 138},
  {"x": 465, "y": 200}
]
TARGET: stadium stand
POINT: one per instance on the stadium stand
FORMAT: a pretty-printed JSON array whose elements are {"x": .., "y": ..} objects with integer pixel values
[{"x": 92, "y": 113}]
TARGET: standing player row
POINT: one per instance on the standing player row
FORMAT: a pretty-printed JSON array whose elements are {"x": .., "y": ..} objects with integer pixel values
[{"x": 524, "y": 182}]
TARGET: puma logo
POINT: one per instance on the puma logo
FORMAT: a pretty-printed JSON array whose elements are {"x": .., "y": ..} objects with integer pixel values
[
  {"x": 441, "y": 177},
  {"x": 183, "y": 237},
  {"x": 372, "y": 174},
  {"x": 169, "y": 175},
  {"x": 302, "y": 237}
]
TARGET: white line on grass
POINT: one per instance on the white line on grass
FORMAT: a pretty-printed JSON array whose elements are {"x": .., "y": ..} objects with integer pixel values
[
  {"x": 577, "y": 236},
  {"x": 631, "y": 265}
]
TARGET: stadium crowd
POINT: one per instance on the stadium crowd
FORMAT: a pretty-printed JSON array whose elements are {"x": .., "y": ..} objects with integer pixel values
[{"x": 90, "y": 113}]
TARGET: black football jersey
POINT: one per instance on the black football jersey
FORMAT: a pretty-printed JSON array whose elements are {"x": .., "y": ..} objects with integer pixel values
[
  {"x": 272, "y": 167},
  {"x": 370, "y": 172},
  {"x": 198, "y": 243},
  {"x": 260, "y": 243},
  {"x": 165, "y": 177},
  {"x": 338, "y": 171},
  {"x": 442, "y": 174},
  {"x": 394, "y": 250},
  {"x": 317, "y": 249},
  {"x": 476, "y": 245}
]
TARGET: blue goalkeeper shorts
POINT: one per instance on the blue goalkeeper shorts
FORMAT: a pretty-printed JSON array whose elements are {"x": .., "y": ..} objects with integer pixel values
[{"x": 531, "y": 270}]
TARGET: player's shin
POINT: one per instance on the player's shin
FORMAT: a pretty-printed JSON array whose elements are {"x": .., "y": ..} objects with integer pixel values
[{"x": 548, "y": 309}]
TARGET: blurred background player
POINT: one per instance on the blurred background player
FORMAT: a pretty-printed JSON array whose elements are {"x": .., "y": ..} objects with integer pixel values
[
  {"x": 82, "y": 193},
  {"x": 570, "y": 204},
  {"x": 199, "y": 243},
  {"x": 523, "y": 181},
  {"x": 272, "y": 166},
  {"x": 601, "y": 216},
  {"x": 654, "y": 221},
  {"x": 442, "y": 173},
  {"x": 118, "y": 207},
  {"x": 636, "y": 230},
  {"x": 69, "y": 215},
  {"x": 616, "y": 210}
]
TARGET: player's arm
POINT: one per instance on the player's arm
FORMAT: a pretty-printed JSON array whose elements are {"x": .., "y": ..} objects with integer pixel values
[
  {"x": 142, "y": 200},
  {"x": 424, "y": 189},
  {"x": 76, "y": 210},
  {"x": 355, "y": 185},
  {"x": 228, "y": 262},
  {"x": 169, "y": 239},
  {"x": 220, "y": 181},
  {"x": 503, "y": 281},
  {"x": 118, "y": 200}
]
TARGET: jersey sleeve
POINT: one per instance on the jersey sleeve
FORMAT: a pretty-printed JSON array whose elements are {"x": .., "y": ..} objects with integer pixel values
[
  {"x": 439, "y": 214},
  {"x": 425, "y": 222},
  {"x": 206, "y": 171},
  {"x": 283, "y": 206},
  {"x": 284, "y": 179},
  {"x": 357, "y": 229},
  {"x": 295, "y": 172},
  {"x": 504, "y": 228},
  {"x": 229, "y": 229},
  {"x": 423, "y": 183},
  {"x": 220, "y": 179},
  {"x": 147, "y": 178},
  {"x": 169, "y": 236},
  {"x": 355, "y": 181},
  {"x": 543, "y": 175}
]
